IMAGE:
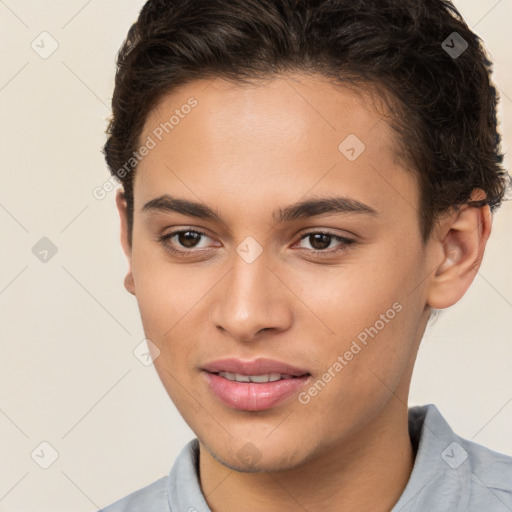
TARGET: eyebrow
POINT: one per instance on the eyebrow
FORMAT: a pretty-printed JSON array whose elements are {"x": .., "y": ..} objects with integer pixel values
[{"x": 301, "y": 210}]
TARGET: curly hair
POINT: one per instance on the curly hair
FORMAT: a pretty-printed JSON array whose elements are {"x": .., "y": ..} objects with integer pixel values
[{"x": 443, "y": 105}]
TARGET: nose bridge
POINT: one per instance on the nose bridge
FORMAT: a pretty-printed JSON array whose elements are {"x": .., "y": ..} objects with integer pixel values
[{"x": 251, "y": 299}]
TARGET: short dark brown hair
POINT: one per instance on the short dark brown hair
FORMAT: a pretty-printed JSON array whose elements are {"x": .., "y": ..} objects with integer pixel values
[{"x": 443, "y": 103}]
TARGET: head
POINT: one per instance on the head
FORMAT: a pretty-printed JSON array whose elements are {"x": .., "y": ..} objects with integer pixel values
[{"x": 344, "y": 168}]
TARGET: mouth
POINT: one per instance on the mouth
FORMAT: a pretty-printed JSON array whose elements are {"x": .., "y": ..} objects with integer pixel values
[
  {"x": 260, "y": 379},
  {"x": 254, "y": 385}
]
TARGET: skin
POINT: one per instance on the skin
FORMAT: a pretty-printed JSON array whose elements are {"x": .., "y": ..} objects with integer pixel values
[{"x": 245, "y": 151}]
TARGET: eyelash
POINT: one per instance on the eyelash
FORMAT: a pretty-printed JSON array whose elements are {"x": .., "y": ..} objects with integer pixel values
[{"x": 345, "y": 243}]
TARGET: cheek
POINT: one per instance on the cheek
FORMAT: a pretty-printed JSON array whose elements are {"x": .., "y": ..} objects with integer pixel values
[
  {"x": 165, "y": 291},
  {"x": 363, "y": 366},
  {"x": 372, "y": 317},
  {"x": 174, "y": 308},
  {"x": 352, "y": 297}
]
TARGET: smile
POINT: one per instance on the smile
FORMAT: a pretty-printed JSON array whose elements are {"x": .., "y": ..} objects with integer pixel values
[{"x": 254, "y": 392}]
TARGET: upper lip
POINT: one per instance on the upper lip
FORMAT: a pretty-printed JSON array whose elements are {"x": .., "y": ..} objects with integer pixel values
[{"x": 260, "y": 366}]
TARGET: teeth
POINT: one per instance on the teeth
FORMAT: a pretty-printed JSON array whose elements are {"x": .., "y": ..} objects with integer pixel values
[{"x": 267, "y": 377}]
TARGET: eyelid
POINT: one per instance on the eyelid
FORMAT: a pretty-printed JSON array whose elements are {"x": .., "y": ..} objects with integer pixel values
[
  {"x": 164, "y": 238},
  {"x": 325, "y": 231},
  {"x": 345, "y": 242}
]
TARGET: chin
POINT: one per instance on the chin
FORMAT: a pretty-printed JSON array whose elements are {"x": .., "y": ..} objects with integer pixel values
[{"x": 247, "y": 458}]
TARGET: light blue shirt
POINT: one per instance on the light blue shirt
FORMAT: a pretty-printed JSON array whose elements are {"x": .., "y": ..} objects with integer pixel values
[{"x": 450, "y": 474}]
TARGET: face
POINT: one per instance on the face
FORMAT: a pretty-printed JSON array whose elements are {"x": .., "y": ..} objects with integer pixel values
[{"x": 328, "y": 297}]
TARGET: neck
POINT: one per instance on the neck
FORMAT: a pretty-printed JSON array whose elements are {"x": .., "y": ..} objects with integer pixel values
[{"x": 368, "y": 471}]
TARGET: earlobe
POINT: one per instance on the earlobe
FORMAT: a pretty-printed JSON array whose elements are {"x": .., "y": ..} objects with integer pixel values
[
  {"x": 462, "y": 236},
  {"x": 129, "y": 283}
]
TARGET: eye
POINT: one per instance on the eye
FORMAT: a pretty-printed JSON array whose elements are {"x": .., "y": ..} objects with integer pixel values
[
  {"x": 320, "y": 242},
  {"x": 185, "y": 240}
]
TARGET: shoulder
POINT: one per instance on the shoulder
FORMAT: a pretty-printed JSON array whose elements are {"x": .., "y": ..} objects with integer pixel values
[
  {"x": 486, "y": 468},
  {"x": 490, "y": 470},
  {"x": 452, "y": 473},
  {"x": 151, "y": 498},
  {"x": 175, "y": 491}
]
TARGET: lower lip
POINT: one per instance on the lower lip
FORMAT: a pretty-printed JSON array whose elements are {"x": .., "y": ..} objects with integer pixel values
[{"x": 253, "y": 396}]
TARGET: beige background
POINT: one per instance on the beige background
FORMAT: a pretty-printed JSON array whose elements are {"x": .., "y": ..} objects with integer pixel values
[{"x": 68, "y": 375}]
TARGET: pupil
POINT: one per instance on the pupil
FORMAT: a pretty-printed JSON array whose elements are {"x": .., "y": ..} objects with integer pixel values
[
  {"x": 320, "y": 241},
  {"x": 187, "y": 238}
]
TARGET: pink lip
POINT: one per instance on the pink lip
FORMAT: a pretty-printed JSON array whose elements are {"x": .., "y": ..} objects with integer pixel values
[
  {"x": 256, "y": 367},
  {"x": 252, "y": 396}
]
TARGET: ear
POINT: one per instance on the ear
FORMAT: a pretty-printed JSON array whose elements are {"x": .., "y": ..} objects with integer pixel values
[
  {"x": 129, "y": 283},
  {"x": 461, "y": 239}
]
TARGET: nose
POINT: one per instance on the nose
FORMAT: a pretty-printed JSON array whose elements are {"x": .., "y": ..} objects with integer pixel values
[{"x": 251, "y": 300}]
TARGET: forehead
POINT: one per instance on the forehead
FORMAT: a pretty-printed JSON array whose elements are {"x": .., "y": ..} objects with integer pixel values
[
  {"x": 295, "y": 105},
  {"x": 289, "y": 134}
]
